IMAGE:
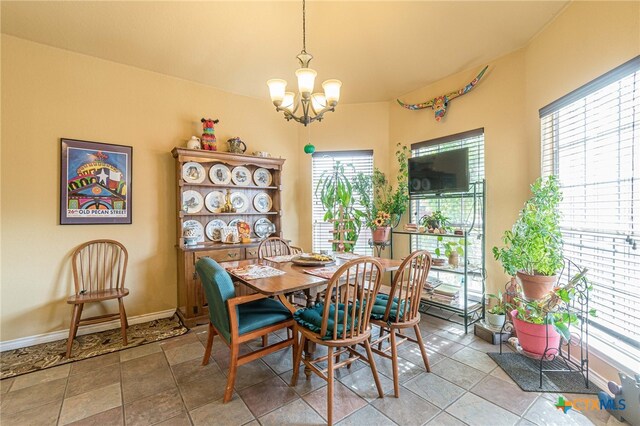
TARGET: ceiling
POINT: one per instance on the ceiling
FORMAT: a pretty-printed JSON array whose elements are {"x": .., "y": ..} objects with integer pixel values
[{"x": 379, "y": 49}]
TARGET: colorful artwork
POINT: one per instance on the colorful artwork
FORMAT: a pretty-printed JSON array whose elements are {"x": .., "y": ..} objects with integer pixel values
[
  {"x": 95, "y": 183},
  {"x": 440, "y": 103},
  {"x": 208, "y": 134}
]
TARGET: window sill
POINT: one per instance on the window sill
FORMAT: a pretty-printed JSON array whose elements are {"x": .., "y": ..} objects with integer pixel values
[{"x": 617, "y": 354}]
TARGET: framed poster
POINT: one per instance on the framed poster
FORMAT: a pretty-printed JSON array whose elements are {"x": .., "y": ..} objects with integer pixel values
[{"x": 95, "y": 183}]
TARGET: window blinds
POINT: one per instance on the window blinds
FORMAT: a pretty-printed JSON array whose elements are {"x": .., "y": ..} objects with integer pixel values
[
  {"x": 458, "y": 208},
  {"x": 355, "y": 162},
  {"x": 591, "y": 141}
]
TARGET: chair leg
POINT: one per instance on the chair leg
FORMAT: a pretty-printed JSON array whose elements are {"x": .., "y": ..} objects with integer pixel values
[
  {"x": 298, "y": 348},
  {"x": 73, "y": 328},
  {"x": 394, "y": 362},
  {"x": 265, "y": 340},
  {"x": 372, "y": 364},
  {"x": 380, "y": 336},
  {"x": 330, "y": 385},
  {"x": 425, "y": 358},
  {"x": 207, "y": 351},
  {"x": 123, "y": 322},
  {"x": 233, "y": 367}
]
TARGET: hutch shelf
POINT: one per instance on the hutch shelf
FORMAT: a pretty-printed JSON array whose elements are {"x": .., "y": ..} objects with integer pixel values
[{"x": 192, "y": 303}]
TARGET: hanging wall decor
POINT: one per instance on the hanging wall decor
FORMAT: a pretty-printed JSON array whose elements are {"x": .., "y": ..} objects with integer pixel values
[
  {"x": 440, "y": 103},
  {"x": 95, "y": 183}
]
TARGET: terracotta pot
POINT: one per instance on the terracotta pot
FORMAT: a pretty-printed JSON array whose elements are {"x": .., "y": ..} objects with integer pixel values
[
  {"x": 535, "y": 287},
  {"x": 381, "y": 234},
  {"x": 533, "y": 337}
]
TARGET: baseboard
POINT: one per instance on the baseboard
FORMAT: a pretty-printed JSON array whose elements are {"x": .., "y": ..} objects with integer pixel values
[{"x": 86, "y": 329}]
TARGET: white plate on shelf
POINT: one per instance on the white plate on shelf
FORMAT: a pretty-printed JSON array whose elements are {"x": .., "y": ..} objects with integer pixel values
[
  {"x": 193, "y": 172},
  {"x": 214, "y": 201},
  {"x": 263, "y": 227},
  {"x": 197, "y": 225},
  {"x": 220, "y": 174},
  {"x": 239, "y": 201},
  {"x": 241, "y": 176},
  {"x": 192, "y": 201},
  {"x": 213, "y": 229},
  {"x": 262, "y": 202},
  {"x": 262, "y": 177}
]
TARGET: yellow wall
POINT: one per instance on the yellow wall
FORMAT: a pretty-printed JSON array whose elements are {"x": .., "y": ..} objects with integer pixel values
[{"x": 49, "y": 93}]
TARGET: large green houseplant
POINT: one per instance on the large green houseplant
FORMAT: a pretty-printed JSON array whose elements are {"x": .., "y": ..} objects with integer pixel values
[
  {"x": 382, "y": 205},
  {"x": 533, "y": 247},
  {"x": 335, "y": 191}
]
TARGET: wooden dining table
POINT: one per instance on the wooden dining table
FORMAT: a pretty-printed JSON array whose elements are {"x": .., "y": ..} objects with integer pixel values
[{"x": 294, "y": 280}]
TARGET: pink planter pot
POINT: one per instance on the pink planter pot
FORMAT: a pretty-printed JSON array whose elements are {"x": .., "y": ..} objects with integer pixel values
[
  {"x": 381, "y": 234},
  {"x": 533, "y": 337}
]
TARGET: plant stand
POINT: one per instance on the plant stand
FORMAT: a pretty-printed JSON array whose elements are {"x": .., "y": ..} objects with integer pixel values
[
  {"x": 379, "y": 247},
  {"x": 574, "y": 356},
  {"x": 339, "y": 232}
]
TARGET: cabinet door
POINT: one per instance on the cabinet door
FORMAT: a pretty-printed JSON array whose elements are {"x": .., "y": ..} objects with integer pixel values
[{"x": 251, "y": 253}]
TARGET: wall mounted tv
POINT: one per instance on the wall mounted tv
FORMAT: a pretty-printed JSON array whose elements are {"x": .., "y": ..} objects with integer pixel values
[{"x": 439, "y": 173}]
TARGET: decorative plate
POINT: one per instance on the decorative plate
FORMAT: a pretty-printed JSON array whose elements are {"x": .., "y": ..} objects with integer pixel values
[
  {"x": 193, "y": 172},
  {"x": 220, "y": 174},
  {"x": 214, "y": 201},
  {"x": 313, "y": 259},
  {"x": 263, "y": 227},
  {"x": 262, "y": 202},
  {"x": 241, "y": 176},
  {"x": 235, "y": 222},
  {"x": 192, "y": 201},
  {"x": 197, "y": 225},
  {"x": 262, "y": 177},
  {"x": 243, "y": 228},
  {"x": 213, "y": 229},
  {"x": 239, "y": 201}
]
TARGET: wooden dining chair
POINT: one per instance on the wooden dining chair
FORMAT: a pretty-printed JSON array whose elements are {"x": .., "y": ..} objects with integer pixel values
[
  {"x": 239, "y": 319},
  {"x": 99, "y": 269},
  {"x": 399, "y": 310},
  {"x": 273, "y": 246},
  {"x": 340, "y": 323},
  {"x": 296, "y": 250}
]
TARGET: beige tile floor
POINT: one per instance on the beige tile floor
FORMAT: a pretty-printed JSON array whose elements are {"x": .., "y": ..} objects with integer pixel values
[{"x": 164, "y": 383}]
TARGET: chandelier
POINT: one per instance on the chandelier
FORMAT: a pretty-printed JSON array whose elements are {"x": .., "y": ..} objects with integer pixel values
[{"x": 311, "y": 106}]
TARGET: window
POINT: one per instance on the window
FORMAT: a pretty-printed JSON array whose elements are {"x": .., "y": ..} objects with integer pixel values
[
  {"x": 591, "y": 141},
  {"x": 362, "y": 161},
  {"x": 460, "y": 208}
]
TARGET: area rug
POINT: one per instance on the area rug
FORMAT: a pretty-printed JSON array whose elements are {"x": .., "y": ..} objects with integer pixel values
[
  {"x": 38, "y": 357},
  {"x": 526, "y": 373}
]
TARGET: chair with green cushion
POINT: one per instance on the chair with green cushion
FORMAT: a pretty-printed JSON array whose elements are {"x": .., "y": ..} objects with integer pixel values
[
  {"x": 399, "y": 310},
  {"x": 340, "y": 323},
  {"x": 239, "y": 319}
]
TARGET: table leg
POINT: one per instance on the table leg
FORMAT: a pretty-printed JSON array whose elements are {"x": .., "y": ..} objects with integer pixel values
[{"x": 309, "y": 349}]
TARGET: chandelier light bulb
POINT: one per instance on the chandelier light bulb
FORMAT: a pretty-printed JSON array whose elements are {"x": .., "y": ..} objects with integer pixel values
[
  {"x": 332, "y": 91},
  {"x": 276, "y": 90},
  {"x": 289, "y": 101},
  {"x": 318, "y": 102},
  {"x": 306, "y": 81}
]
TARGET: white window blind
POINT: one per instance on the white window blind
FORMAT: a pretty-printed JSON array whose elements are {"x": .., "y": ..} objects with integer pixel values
[
  {"x": 458, "y": 207},
  {"x": 591, "y": 141},
  {"x": 355, "y": 162}
]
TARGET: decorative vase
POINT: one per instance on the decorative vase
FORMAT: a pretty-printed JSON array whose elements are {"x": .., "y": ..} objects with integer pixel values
[
  {"x": 381, "y": 234},
  {"x": 194, "y": 143},
  {"x": 535, "y": 287},
  {"x": 495, "y": 320},
  {"x": 536, "y": 338},
  {"x": 454, "y": 259}
]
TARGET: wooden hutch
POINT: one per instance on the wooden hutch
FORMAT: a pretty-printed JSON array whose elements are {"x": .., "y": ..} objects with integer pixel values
[{"x": 192, "y": 303}]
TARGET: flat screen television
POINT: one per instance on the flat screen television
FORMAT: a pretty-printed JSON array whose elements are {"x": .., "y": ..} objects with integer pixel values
[{"x": 439, "y": 173}]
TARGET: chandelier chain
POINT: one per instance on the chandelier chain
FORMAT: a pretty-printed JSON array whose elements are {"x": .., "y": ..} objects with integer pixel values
[{"x": 304, "y": 27}]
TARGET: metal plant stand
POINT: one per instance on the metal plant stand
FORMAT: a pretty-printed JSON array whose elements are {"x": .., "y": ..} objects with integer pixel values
[{"x": 572, "y": 356}]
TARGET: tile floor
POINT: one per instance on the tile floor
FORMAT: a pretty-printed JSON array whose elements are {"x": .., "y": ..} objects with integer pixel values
[{"x": 164, "y": 383}]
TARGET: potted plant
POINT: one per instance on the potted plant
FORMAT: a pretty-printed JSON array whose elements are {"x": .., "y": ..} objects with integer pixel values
[
  {"x": 497, "y": 313},
  {"x": 436, "y": 220},
  {"x": 533, "y": 247},
  {"x": 381, "y": 227},
  {"x": 336, "y": 193},
  {"x": 380, "y": 202},
  {"x": 452, "y": 250},
  {"x": 541, "y": 324}
]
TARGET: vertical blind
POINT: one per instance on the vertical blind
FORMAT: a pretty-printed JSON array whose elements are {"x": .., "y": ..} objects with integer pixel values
[
  {"x": 459, "y": 209},
  {"x": 591, "y": 141},
  {"x": 355, "y": 162}
]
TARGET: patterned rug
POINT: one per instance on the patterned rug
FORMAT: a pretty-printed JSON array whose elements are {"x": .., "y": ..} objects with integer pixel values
[{"x": 45, "y": 355}]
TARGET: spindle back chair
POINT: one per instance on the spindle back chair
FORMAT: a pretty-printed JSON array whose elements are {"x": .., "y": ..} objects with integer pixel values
[{"x": 273, "y": 246}]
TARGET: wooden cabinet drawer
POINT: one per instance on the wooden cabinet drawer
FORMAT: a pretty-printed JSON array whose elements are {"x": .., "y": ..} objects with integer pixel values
[
  {"x": 251, "y": 253},
  {"x": 219, "y": 255}
]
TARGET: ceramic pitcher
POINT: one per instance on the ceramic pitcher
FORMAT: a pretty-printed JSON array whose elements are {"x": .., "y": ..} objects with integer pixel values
[{"x": 236, "y": 146}]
